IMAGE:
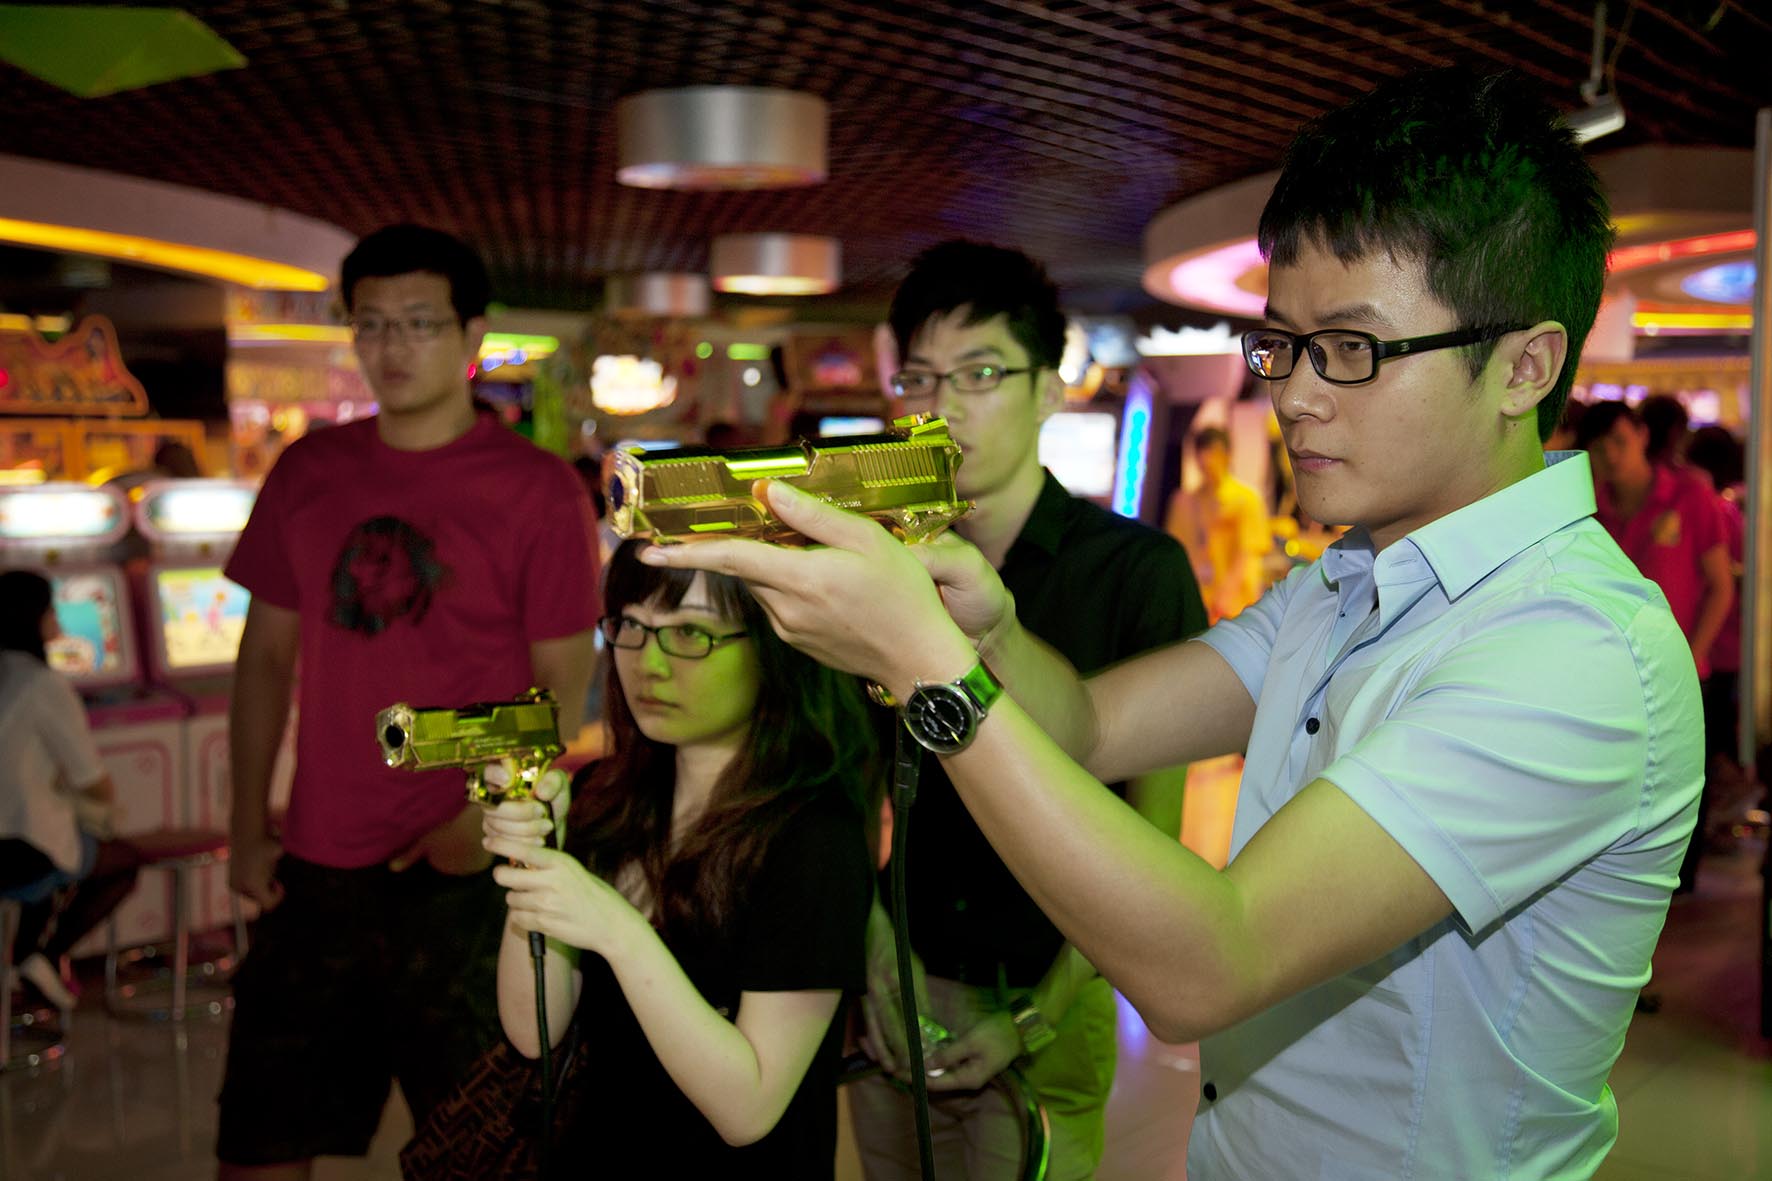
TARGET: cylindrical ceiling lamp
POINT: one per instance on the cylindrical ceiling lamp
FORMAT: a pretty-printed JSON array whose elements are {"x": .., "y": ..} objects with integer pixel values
[
  {"x": 776, "y": 264},
  {"x": 721, "y": 137},
  {"x": 658, "y": 293}
]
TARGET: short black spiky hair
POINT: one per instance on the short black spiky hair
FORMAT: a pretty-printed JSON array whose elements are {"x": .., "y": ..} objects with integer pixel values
[
  {"x": 992, "y": 281},
  {"x": 1474, "y": 177},
  {"x": 404, "y": 249}
]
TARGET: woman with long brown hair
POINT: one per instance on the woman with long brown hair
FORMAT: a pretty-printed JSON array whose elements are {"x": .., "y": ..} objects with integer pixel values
[{"x": 707, "y": 916}]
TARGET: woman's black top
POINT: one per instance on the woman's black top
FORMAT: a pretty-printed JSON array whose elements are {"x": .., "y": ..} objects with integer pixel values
[{"x": 799, "y": 924}]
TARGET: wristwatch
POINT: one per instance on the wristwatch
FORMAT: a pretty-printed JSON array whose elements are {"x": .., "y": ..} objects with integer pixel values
[
  {"x": 1031, "y": 1025},
  {"x": 944, "y": 716}
]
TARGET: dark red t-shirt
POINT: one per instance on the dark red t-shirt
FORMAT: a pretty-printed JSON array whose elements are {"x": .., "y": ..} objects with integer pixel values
[
  {"x": 419, "y": 576},
  {"x": 1679, "y": 521}
]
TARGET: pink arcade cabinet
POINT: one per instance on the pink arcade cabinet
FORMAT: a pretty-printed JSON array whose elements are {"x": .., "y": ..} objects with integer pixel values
[{"x": 193, "y": 619}]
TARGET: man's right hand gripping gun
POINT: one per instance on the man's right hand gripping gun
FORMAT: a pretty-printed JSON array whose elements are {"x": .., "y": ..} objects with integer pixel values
[
  {"x": 903, "y": 478},
  {"x": 525, "y": 730}
]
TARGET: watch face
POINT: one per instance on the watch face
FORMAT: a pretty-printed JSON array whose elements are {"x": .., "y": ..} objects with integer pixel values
[{"x": 940, "y": 717}]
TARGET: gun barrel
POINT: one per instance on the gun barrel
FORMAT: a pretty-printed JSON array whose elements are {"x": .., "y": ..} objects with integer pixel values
[{"x": 426, "y": 738}]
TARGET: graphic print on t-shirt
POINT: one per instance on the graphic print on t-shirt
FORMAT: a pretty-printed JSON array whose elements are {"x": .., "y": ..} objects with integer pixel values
[{"x": 386, "y": 569}]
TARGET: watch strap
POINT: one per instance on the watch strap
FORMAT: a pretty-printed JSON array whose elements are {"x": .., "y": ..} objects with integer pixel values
[{"x": 983, "y": 687}]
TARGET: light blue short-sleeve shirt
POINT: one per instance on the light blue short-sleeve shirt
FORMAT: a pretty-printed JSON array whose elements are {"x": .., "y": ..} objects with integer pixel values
[{"x": 1515, "y": 705}]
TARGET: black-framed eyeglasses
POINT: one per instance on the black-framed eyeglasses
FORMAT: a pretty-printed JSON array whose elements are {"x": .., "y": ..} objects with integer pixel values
[
  {"x": 968, "y": 379},
  {"x": 687, "y": 640},
  {"x": 406, "y": 327},
  {"x": 1342, "y": 356}
]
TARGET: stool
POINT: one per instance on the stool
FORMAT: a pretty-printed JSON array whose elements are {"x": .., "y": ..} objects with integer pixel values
[
  {"x": 178, "y": 850},
  {"x": 43, "y": 1044}
]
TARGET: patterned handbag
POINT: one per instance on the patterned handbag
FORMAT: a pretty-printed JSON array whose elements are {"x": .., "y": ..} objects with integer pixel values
[{"x": 486, "y": 1130}]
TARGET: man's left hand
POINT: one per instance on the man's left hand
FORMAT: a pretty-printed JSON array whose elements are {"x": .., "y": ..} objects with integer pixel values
[{"x": 973, "y": 1058}]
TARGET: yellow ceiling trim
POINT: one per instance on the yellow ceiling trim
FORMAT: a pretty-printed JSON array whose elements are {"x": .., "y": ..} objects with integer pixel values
[{"x": 260, "y": 273}]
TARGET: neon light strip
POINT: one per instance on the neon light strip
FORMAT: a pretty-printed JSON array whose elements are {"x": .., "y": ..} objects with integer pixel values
[
  {"x": 1210, "y": 279},
  {"x": 280, "y": 333},
  {"x": 1135, "y": 425},
  {"x": 1692, "y": 321},
  {"x": 259, "y": 273},
  {"x": 1633, "y": 258}
]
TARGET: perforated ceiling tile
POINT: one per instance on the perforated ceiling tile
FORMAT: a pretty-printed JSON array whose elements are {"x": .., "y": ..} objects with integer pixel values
[{"x": 1061, "y": 127}]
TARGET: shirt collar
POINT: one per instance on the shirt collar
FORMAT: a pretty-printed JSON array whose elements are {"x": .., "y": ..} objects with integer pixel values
[
  {"x": 1464, "y": 547},
  {"x": 1467, "y": 546}
]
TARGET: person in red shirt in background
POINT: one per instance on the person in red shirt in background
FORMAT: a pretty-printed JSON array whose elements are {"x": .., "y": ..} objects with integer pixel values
[
  {"x": 1716, "y": 454},
  {"x": 428, "y": 555},
  {"x": 1669, "y": 521}
]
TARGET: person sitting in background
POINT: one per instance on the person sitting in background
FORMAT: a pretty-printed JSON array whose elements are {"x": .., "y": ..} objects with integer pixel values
[
  {"x": 56, "y": 800},
  {"x": 709, "y": 911},
  {"x": 1224, "y": 526}
]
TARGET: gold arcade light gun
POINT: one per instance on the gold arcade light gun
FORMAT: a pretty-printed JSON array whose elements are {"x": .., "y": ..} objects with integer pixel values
[
  {"x": 902, "y": 477},
  {"x": 525, "y": 730}
]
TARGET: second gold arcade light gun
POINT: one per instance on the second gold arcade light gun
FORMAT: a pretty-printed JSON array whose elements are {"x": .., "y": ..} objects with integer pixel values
[
  {"x": 902, "y": 478},
  {"x": 525, "y": 730}
]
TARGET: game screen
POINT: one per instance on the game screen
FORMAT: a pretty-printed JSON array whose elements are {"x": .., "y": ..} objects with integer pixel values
[
  {"x": 92, "y": 648},
  {"x": 201, "y": 617},
  {"x": 62, "y": 512},
  {"x": 198, "y": 508},
  {"x": 836, "y": 425},
  {"x": 1077, "y": 446}
]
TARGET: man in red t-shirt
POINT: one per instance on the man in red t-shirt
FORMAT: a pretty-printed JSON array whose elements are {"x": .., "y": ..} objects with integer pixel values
[
  {"x": 426, "y": 555},
  {"x": 1665, "y": 519}
]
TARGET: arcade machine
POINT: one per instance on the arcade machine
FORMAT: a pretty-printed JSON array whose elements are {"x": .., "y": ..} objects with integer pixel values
[
  {"x": 64, "y": 531},
  {"x": 193, "y": 618},
  {"x": 834, "y": 426},
  {"x": 1100, "y": 448}
]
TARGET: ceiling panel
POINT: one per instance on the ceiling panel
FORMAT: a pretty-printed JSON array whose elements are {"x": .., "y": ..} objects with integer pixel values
[{"x": 1060, "y": 127}]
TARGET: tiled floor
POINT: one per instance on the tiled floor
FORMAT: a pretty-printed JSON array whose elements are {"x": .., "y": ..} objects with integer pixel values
[{"x": 135, "y": 1100}]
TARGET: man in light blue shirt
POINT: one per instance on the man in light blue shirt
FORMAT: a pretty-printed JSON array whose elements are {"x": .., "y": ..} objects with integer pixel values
[{"x": 1472, "y": 730}]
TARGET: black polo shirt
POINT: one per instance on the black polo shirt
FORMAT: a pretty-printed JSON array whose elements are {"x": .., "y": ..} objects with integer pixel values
[{"x": 1098, "y": 588}]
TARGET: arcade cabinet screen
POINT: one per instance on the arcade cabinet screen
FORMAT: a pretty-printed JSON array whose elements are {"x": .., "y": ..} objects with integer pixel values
[
  {"x": 92, "y": 648},
  {"x": 837, "y": 425},
  {"x": 1077, "y": 446},
  {"x": 202, "y": 616}
]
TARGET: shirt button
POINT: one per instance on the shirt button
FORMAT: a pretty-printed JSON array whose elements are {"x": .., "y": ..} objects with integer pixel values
[
  {"x": 1311, "y": 725},
  {"x": 1210, "y": 1091}
]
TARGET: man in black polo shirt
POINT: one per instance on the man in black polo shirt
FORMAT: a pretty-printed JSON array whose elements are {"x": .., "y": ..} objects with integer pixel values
[{"x": 980, "y": 334}]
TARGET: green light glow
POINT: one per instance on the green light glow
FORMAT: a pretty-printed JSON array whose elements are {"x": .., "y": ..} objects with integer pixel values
[
  {"x": 747, "y": 352},
  {"x": 704, "y": 350},
  {"x": 506, "y": 342},
  {"x": 767, "y": 466}
]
